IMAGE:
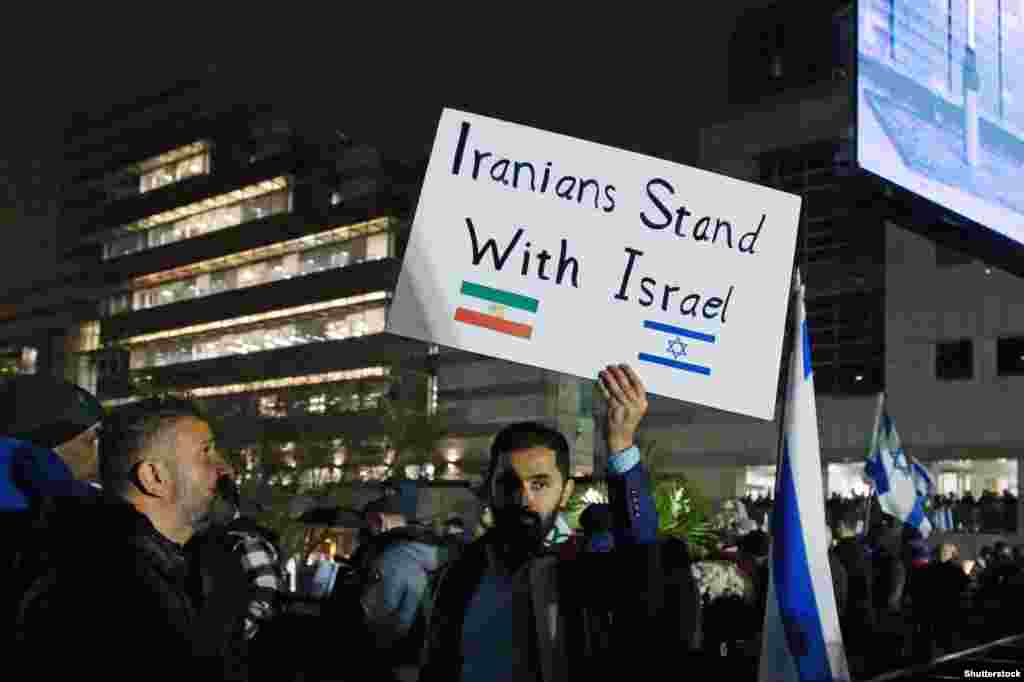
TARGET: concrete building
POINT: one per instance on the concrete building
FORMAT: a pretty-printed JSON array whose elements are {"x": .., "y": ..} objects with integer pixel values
[
  {"x": 247, "y": 255},
  {"x": 889, "y": 308}
]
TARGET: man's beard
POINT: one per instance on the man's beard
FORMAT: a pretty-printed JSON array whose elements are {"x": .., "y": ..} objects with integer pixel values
[
  {"x": 194, "y": 504},
  {"x": 521, "y": 533}
]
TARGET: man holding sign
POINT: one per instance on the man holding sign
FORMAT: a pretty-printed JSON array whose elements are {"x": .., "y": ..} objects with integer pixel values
[{"x": 520, "y": 605}]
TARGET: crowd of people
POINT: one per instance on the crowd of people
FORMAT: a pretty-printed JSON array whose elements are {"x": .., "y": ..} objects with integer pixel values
[
  {"x": 899, "y": 600},
  {"x": 127, "y": 534},
  {"x": 127, "y": 546},
  {"x": 987, "y": 513}
]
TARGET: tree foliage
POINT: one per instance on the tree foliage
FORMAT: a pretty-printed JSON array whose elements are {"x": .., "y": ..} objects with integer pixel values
[{"x": 683, "y": 512}]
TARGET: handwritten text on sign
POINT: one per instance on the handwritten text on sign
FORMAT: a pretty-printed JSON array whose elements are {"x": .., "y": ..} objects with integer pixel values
[{"x": 569, "y": 255}]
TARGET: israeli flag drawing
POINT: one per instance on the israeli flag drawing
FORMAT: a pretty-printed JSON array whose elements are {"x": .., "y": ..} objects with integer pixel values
[
  {"x": 802, "y": 640},
  {"x": 680, "y": 348},
  {"x": 901, "y": 483}
]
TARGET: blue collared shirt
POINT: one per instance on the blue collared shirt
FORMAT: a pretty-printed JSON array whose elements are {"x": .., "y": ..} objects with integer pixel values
[
  {"x": 622, "y": 462},
  {"x": 490, "y": 645}
]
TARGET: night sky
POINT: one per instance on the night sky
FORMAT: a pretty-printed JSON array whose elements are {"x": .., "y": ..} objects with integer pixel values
[{"x": 647, "y": 89}]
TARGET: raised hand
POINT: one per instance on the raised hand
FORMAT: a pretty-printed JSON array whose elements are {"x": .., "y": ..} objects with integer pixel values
[{"x": 627, "y": 405}]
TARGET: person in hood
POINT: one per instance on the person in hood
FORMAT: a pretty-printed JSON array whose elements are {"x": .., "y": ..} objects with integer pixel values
[
  {"x": 48, "y": 441},
  {"x": 48, "y": 457},
  {"x": 395, "y": 602}
]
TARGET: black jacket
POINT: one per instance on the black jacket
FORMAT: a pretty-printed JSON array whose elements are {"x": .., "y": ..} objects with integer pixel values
[
  {"x": 859, "y": 606},
  {"x": 616, "y": 610},
  {"x": 840, "y": 582},
  {"x": 941, "y": 586},
  {"x": 117, "y": 593}
]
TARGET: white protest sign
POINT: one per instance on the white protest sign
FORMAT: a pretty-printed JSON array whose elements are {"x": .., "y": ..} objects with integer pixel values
[{"x": 568, "y": 255}]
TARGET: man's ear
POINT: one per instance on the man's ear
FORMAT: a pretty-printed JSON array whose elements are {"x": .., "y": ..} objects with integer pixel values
[
  {"x": 567, "y": 491},
  {"x": 153, "y": 477}
]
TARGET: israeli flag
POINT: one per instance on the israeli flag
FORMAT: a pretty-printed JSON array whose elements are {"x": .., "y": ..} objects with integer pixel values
[
  {"x": 901, "y": 483},
  {"x": 942, "y": 518},
  {"x": 802, "y": 640},
  {"x": 923, "y": 482}
]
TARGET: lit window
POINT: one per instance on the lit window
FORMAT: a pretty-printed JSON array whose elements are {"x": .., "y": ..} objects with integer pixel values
[
  {"x": 317, "y": 404},
  {"x": 212, "y": 214},
  {"x": 87, "y": 339},
  {"x": 174, "y": 166},
  {"x": 288, "y": 382},
  {"x": 212, "y": 345},
  {"x": 270, "y": 406},
  {"x": 258, "y": 266},
  {"x": 252, "y": 319}
]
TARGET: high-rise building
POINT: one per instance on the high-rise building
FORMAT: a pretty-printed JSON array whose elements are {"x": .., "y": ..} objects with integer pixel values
[
  {"x": 890, "y": 306},
  {"x": 229, "y": 252},
  {"x": 248, "y": 256}
]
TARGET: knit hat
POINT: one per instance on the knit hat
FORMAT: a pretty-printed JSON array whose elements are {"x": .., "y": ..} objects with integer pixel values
[{"x": 45, "y": 411}]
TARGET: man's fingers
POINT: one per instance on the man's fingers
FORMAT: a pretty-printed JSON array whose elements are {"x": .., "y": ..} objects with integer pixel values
[
  {"x": 622, "y": 383},
  {"x": 611, "y": 384},
  {"x": 634, "y": 380},
  {"x": 601, "y": 385}
]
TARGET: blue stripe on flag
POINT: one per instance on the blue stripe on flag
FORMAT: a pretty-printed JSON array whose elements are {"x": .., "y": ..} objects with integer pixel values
[
  {"x": 916, "y": 515},
  {"x": 791, "y": 574},
  {"x": 876, "y": 472},
  {"x": 697, "y": 369},
  {"x": 806, "y": 340},
  {"x": 658, "y": 326}
]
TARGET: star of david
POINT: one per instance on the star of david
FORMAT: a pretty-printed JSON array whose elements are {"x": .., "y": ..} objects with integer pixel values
[{"x": 677, "y": 348}]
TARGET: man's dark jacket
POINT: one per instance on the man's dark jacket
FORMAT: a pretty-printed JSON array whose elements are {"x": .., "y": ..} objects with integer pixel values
[
  {"x": 35, "y": 488},
  {"x": 118, "y": 591},
  {"x": 860, "y": 578},
  {"x": 614, "y": 607}
]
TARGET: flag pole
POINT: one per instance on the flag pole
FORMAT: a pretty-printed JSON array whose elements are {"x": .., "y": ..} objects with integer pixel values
[
  {"x": 871, "y": 446},
  {"x": 788, "y": 339}
]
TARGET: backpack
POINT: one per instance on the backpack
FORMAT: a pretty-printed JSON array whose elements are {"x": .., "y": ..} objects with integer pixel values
[{"x": 345, "y": 601}]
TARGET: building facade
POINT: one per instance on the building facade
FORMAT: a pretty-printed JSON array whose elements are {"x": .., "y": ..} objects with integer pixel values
[
  {"x": 889, "y": 309},
  {"x": 248, "y": 257},
  {"x": 228, "y": 252}
]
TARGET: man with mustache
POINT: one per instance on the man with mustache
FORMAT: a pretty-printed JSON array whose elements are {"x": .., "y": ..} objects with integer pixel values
[
  {"x": 518, "y": 606},
  {"x": 120, "y": 587}
]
